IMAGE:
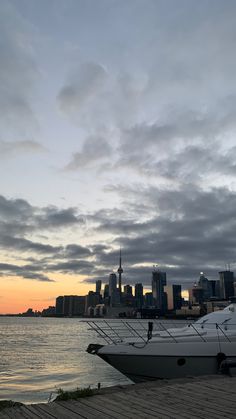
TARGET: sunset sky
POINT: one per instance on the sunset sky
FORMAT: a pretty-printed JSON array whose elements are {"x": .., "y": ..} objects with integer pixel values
[{"x": 117, "y": 128}]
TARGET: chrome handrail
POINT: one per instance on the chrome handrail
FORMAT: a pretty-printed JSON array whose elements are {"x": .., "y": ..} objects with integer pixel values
[{"x": 116, "y": 331}]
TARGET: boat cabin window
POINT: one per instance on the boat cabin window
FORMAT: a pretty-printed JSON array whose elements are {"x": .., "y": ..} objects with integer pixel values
[{"x": 181, "y": 361}]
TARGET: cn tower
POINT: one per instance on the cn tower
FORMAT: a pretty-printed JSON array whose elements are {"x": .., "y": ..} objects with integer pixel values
[{"x": 120, "y": 272}]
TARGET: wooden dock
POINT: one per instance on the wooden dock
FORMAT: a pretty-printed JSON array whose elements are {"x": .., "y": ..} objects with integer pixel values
[{"x": 199, "y": 397}]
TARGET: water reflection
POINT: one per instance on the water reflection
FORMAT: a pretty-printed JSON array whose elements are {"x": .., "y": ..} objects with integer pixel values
[{"x": 38, "y": 355}]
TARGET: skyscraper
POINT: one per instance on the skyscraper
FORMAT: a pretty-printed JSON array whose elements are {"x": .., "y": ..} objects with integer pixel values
[
  {"x": 128, "y": 290},
  {"x": 139, "y": 295},
  {"x": 226, "y": 284},
  {"x": 98, "y": 286},
  {"x": 174, "y": 299},
  {"x": 127, "y": 297},
  {"x": 113, "y": 288},
  {"x": 204, "y": 284},
  {"x": 120, "y": 272},
  {"x": 158, "y": 283}
]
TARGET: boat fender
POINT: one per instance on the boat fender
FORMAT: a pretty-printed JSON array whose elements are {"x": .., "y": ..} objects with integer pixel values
[
  {"x": 93, "y": 348},
  {"x": 220, "y": 357}
]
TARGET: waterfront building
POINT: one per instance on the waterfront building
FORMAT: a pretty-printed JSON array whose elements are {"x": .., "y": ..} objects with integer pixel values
[
  {"x": 128, "y": 290},
  {"x": 59, "y": 305},
  {"x": 100, "y": 310},
  {"x": 70, "y": 305},
  {"x": 91, "y": 300},
  {"x": 66, "y": 305},
  {"x": 226, "y": 284},
  {"x": 139, "y": 295},
  {"x": 159, "y": 295},
  {"x": 78, "y": 305},
  {"x": 174, "y": 298}
]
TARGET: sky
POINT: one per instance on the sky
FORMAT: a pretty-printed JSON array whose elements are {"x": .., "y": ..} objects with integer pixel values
[{"x": 117, "y": 129}]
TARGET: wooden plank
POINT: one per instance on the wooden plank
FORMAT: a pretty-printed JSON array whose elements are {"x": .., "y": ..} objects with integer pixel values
[
  {"x": 110, "y": 407},
  {"x": 102, "y": 410},
  {"x": 78, "y": 409},
  {"x": 28, "y": 414},
  {"x": 141, "y": 405},
  {"x": 14, "y": 412},
  {"x": 146, "y": 399},
  {"x": 102, "y": 407},
  {"x": 121, "y": 407},
  {"x": 34, "y": 410},
  {"x": 57, "y": 411},
  {"x": 205, "y": 391},
  {"x": 88, "y": 403},
  {"x": 177, "y": 399},
  {"x": 126, "y": 406},
  {"x": 4, "y": 415},
  {"x": 221, "y": 391},
  {"x": 89, "y": 411},
  {"x": 213, "y": 397},
  {"x": 197, "y": 404},
  {"x": 172, "y": 407}
]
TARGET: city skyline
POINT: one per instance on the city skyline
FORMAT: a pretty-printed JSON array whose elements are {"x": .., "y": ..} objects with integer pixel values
[{"x": 117, "y": 129}]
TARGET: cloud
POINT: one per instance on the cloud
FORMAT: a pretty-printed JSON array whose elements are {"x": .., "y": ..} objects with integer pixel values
[
  {"x": 95, "y": 150},
  {"x": 53, "y": 217},
  {"x": 188, "y": 230},
  {"x": 83, "y": 86},
  {"x": 16, "y": 147},
  {"x": 72, "y": 266},
  {"x": 184, "y": 231},
  {"x": 24, "y": 272},
  {"x": 75, "y": 250},
  {"x": 18, "y": 69},
  {"x": 18, "y": 216},
  {"x": 24, "y": 245}
]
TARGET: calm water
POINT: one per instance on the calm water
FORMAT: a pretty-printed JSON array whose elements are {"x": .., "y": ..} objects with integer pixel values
[{"x": 38, "y": 355}]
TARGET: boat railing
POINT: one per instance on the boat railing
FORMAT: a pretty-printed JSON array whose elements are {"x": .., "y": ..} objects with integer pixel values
[{"x": 115, "y": 331}]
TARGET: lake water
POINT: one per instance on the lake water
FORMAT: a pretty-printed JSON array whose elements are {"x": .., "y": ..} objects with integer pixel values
[{"x": 38, "y": 355}]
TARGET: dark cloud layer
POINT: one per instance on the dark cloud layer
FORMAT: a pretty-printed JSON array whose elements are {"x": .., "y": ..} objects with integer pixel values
[{"x": 184, "y": 231}]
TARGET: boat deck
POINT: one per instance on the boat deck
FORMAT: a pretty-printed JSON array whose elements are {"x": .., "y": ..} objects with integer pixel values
[{"x": 199, "y": 397}]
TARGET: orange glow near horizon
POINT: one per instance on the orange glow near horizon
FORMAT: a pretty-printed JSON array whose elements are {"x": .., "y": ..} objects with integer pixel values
[{"x": 17, "y": 294}]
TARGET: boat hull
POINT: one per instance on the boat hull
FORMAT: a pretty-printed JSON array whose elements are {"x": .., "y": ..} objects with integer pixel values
[
  {"x": 146, "y": 368},
  {"x": 157, "y": 361}
]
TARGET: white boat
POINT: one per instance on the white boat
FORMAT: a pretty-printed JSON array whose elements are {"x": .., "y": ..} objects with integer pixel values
[{"x": 201, "y": 348}]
